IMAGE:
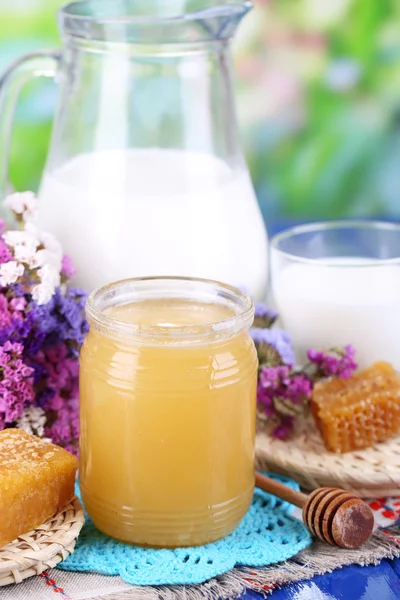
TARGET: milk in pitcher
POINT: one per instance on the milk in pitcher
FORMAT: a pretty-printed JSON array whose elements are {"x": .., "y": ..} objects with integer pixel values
[{"x": 143, "y": 212}]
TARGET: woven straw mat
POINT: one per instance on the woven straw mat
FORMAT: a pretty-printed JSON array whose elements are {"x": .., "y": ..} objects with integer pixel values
[
  {"x": 368, "y": 473},
  {"x": 44, "y": 548}
]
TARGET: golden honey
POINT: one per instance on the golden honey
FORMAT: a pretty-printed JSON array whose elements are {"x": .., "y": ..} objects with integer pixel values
[{"x": 168, "y": 398}]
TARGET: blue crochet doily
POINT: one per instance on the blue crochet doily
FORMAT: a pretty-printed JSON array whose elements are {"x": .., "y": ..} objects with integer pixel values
[{"x": 266, "y": 535}]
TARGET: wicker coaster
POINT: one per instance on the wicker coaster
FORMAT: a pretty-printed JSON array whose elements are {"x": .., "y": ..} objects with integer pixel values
[
  {"x": 368, "y": 473},
  {"x": 44, "y": 548}
]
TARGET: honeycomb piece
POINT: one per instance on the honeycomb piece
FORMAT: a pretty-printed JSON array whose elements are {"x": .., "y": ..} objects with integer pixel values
[
  {"x": 356, "y": 413},
  {"x": 36, "y": 481}
]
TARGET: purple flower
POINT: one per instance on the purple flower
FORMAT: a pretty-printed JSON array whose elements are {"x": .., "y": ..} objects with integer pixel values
[
  {"x": 299, "y": 387},
  {"x": 61, "y": 320},
  {"x": 335, "y": 363},
  {"x": 39, "y": 347},
  {"x": 285, "y": 381},
  {"x": 264, "y": 316},
  {"x": 273, "y": 377},
  {"x": 274, "y": 346},
  {"x": 284, "y": 428},
  {"x": 283, "y": 393}
]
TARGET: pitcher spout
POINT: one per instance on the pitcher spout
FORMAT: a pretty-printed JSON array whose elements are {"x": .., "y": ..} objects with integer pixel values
[
  {"x": 153, "y": 21},
  {"x": 220, "y": 20}
]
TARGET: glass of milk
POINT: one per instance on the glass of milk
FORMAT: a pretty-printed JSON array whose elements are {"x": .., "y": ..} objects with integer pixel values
[
  {"x": 145, "y": 175},
  {"x": 338, "y": 283}
]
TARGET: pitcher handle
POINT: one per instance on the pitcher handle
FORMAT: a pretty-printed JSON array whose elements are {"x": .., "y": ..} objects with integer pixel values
[{"x": 36, "y": 64}]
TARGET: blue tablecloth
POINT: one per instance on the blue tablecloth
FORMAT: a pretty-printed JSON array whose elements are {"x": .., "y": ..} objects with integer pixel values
[{"x": 350, "y": 583}]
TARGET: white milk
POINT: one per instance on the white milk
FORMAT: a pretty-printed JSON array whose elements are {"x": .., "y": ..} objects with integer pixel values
[
  {"x": 325, "y": 306},
  {"x": 156, "y": 212}
]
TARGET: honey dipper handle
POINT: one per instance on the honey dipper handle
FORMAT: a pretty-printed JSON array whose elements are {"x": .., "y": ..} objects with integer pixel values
[{"x": 280, "y": 490}]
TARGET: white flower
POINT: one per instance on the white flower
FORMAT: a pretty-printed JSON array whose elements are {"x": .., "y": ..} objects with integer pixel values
[
  {"x": 51, "y": 254},
  {"x": 42, "y": 293},
  {"x": 46, "y": 258},
  {"x": 24, "y": 245},
  {"x": 22, "y": 203},
  {"x": 15, "y": 238},
  {"x": 33, "y": 230},
  {"x": 35, "y": 249},
  {"x": 16, "y": 202},
  {"x": 49, "y": 275},
  {"x": 25, "y": 254},
  {"x": 33, "y": 421},
  {"x": 10, "y": 272},
  {"x": 31, "y": 206},
  {"x": 52, "y": 244}
]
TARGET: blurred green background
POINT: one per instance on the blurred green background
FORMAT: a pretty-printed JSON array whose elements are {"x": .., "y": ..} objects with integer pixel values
[{"x": 318, "y": 85}]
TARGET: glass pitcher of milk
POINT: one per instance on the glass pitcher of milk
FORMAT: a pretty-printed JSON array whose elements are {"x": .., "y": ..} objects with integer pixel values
[{"x": 145, "y": 174}]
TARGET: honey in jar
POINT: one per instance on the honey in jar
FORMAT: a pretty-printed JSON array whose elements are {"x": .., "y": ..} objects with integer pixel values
[{"x": 168, "y": 398}]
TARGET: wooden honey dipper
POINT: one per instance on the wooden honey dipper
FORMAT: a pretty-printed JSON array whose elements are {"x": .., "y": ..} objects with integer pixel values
[{"x": 332, "y": 515}]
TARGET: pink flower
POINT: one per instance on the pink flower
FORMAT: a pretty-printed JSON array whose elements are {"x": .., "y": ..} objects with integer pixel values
[
  {"x": 18, "y": 304},
  {"x": 282, "y": 382},
  {"x": 56, "y": 402},
  {"x": 56, "y": 354},
  {"x": 5, "y": 315},
  {"x": 67, "y": 267},
  {"x": 5, "y": 253},
  {"x": 16, "y": 383},
  {"x": 62, "y": 403},
  {"x": 13, "y": 347},
  {"x": 64, "y": 430}
]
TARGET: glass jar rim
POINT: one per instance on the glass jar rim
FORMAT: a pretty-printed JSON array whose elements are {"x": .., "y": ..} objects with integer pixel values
[
  {"x": 325, "y": 226},
  {"x": 186, "y": 288}
]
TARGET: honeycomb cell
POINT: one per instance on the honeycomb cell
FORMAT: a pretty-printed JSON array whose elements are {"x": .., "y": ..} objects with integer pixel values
[
  {"x": 356, "y": 413},
  {"x": 36, "y": 481}
]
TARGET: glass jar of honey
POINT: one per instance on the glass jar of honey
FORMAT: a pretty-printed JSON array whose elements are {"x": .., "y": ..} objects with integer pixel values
[{"x": 168, "y": 400}]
